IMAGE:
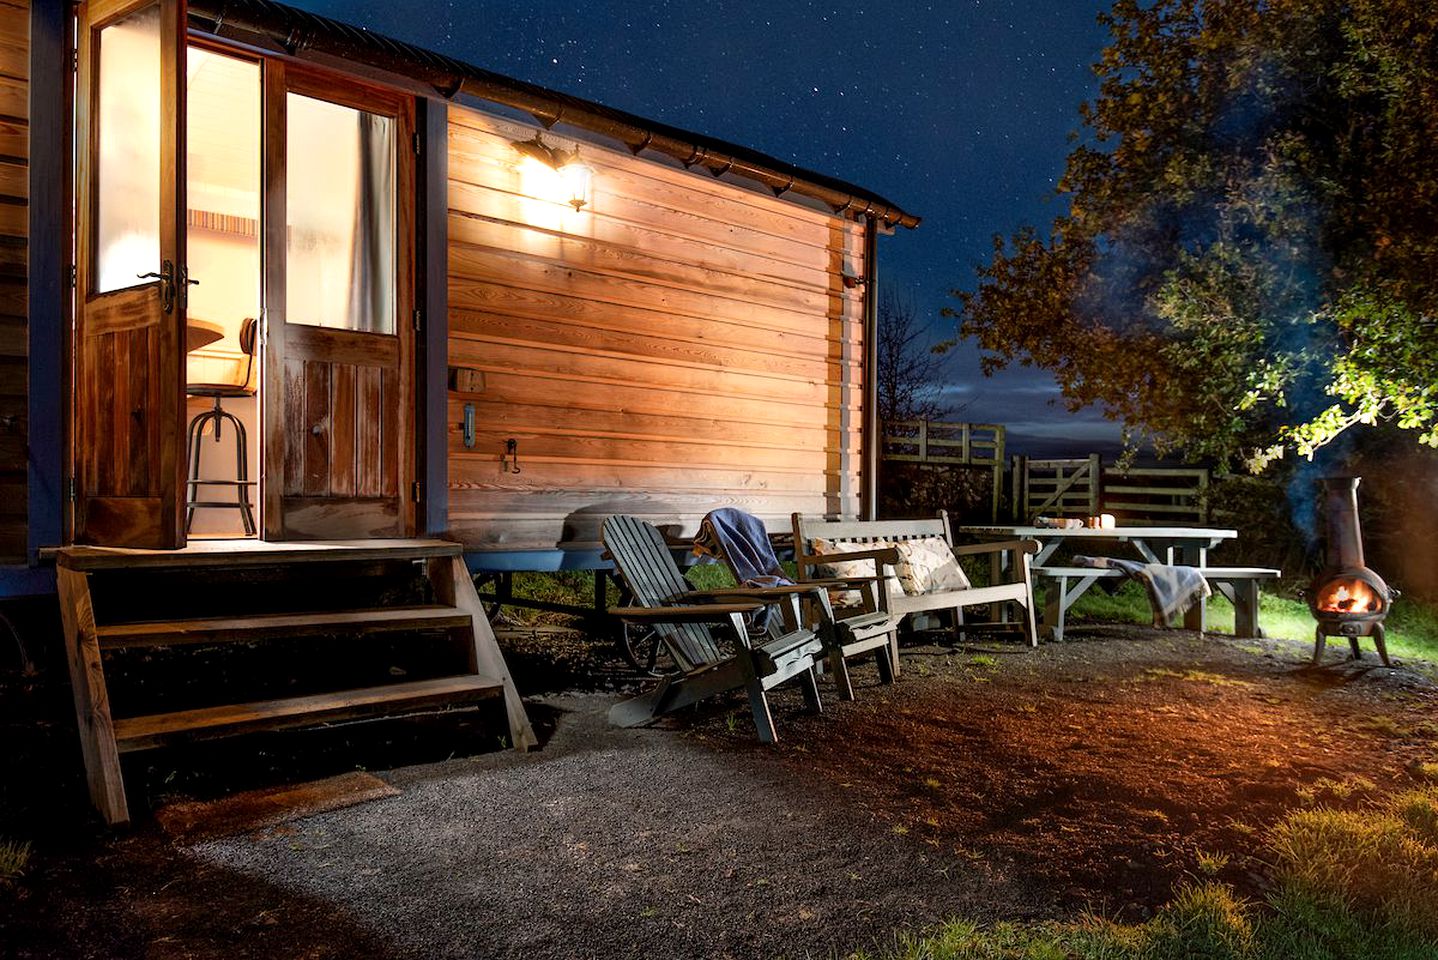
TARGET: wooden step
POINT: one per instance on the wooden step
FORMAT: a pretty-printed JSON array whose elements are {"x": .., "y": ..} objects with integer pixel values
[
  {"x": 242, "y": 553},
  {"x": 142, "y": 733},
  {"x": 153, "y": 633}
]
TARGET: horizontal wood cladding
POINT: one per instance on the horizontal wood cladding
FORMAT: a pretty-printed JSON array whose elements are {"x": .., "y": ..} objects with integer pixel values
[
  {"x": 701, "y": 380},
  {"x": 14, "y": 306},
  {"x": 15, "y": 39},
  {"x": 479, "y": 140},
  {"x": 502, "y": 388},
  {"x": 678, "y": 345},
  {"x": 473, "y": 272},
  {"x": 660, "y": 427},
  {"x": 611, "y": 261}
]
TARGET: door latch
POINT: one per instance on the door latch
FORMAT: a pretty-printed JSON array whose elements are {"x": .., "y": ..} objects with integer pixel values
[
  {"x": 510, "y": 460},
  {"x": 166, "y": 276},
  {"x": 185, "y": 284}
]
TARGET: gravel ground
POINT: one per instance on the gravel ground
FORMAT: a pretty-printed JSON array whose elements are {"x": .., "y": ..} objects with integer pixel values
[
  {"x": 617, "y": 843},
  {"x": 991, "y": 782}
]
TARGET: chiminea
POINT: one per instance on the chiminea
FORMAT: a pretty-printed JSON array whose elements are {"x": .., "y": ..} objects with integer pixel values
[{"x": 1347, "y": 599}]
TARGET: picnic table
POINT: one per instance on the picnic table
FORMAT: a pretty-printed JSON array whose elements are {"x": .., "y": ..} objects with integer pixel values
[{"x": 1187, "y": 546}]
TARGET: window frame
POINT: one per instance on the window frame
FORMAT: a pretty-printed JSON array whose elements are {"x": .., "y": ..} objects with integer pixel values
[{"x": 307, "y": 81}]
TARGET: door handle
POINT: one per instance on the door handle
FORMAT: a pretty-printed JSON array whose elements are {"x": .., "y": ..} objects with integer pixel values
[
  {"x": 166, "y": 276},
  {"x": 185, "y": 284}
]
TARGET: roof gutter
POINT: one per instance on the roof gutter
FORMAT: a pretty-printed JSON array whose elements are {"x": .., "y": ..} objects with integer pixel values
[{"x": 297, "y": 32}]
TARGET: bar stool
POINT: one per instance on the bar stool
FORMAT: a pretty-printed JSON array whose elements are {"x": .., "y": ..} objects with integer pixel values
[{"x": 218, "y": 415}]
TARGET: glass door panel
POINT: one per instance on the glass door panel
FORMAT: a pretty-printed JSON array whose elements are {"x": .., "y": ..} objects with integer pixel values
[
  {"x": 340, "y": 203},
  {"x": 128, "y": 165}
]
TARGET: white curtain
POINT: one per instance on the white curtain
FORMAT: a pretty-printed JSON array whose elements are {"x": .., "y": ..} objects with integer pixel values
[{"x": 372, "y": 273}]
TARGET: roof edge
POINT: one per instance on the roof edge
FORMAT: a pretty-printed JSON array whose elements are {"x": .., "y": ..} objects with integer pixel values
[{"x": 296, "y": 32}]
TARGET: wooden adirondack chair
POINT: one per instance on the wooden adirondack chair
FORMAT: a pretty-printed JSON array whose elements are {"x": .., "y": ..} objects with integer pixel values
[
  {"x": 871, "y": 628},
  {"x": 691, "y": 623}
]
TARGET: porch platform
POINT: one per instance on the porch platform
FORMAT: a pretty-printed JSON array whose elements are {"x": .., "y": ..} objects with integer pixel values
[{"x": 250, "y": 552}]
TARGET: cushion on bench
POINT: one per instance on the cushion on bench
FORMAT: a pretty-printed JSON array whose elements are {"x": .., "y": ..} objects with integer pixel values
[
  {"x": 851, "y": 569},
  {"x": 927, "y": 565}
]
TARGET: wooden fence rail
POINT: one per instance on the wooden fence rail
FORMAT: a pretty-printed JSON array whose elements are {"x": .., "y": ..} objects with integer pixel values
[
  {"x": 1064, "y": 487},
  {"x": 942, "y": 444},
  {"x": 1163, "y": 494}
]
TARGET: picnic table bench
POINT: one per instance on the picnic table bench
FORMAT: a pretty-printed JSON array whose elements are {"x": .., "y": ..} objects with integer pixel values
[
  {"x": 1239, "y": 585},
  {"x": 1167, "y": 545}
]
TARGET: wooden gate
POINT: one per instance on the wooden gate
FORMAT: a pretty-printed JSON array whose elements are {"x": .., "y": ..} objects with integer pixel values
[{"x": 1056, "y": 488}]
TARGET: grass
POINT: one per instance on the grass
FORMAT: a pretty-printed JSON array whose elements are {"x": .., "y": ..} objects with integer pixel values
[
  {"x": 14, "y": 858},
  {"x": 1193, "y": 676},
  {"x": 1212, "y": 864},
  {"x": 1412, "y": 626},
  {"x": 1347, "y": 884},
  {"x": 576, "y": 588}
]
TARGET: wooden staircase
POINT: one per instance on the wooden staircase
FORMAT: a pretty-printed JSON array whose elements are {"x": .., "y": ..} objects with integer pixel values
[{"x": 103, "y": 603}]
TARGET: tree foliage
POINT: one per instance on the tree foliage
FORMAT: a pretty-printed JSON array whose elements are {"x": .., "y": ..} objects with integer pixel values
[{"x": 1248, "y": 262}]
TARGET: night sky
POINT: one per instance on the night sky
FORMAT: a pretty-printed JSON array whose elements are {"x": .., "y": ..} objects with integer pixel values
[{"x": 959, "y": 112}]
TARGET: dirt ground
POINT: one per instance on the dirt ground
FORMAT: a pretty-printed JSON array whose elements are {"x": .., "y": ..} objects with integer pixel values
[{"x": 992, "y": 781}]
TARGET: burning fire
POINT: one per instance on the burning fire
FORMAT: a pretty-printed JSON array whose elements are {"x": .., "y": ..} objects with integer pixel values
[{"x": 1348, "y": 596}]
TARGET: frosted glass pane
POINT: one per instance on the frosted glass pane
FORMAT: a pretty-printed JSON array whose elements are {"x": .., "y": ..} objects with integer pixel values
[
  {"x": 340, "y": 203},
  {"x": 127, "y": 229}
]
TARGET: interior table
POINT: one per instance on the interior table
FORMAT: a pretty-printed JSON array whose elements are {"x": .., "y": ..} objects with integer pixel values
[
  {"x": 1186, "y": 546},
  {"x": 201, "y": 333}
]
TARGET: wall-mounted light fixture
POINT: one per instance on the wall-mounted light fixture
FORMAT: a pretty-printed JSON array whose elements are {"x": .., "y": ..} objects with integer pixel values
[{"x": 576, "y": 176}]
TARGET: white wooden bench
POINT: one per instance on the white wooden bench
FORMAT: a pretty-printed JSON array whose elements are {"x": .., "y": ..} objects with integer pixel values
[
  {"x": 1238, "y": 584},
  {"x": 869, "y": 537}
]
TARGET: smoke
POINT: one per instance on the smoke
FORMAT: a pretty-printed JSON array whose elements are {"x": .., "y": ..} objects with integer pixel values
[{"x": 1305, "y": 488}]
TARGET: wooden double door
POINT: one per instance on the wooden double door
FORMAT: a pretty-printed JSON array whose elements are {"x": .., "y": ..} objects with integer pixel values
[{"x": 336, "y": 388}]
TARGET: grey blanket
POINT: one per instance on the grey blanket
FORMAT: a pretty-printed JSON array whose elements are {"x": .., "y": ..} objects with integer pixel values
[
  {"x": 740, "y": 540},
  {"x": 1171, "y": 590}
]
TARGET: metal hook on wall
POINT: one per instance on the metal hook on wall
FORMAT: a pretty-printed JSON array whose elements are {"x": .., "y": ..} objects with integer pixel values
[{"x": 510, "y": 460}]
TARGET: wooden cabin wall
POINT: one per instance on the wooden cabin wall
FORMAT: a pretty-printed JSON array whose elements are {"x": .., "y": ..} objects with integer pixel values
[
  {"x": 681, "y": 344},
  {"x": 14, "y": 213}
]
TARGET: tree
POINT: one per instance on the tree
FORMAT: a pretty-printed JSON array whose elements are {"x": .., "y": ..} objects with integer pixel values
[
  {"x": 1248, "y": 261},
  {"x": 910, "y": 372}
]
